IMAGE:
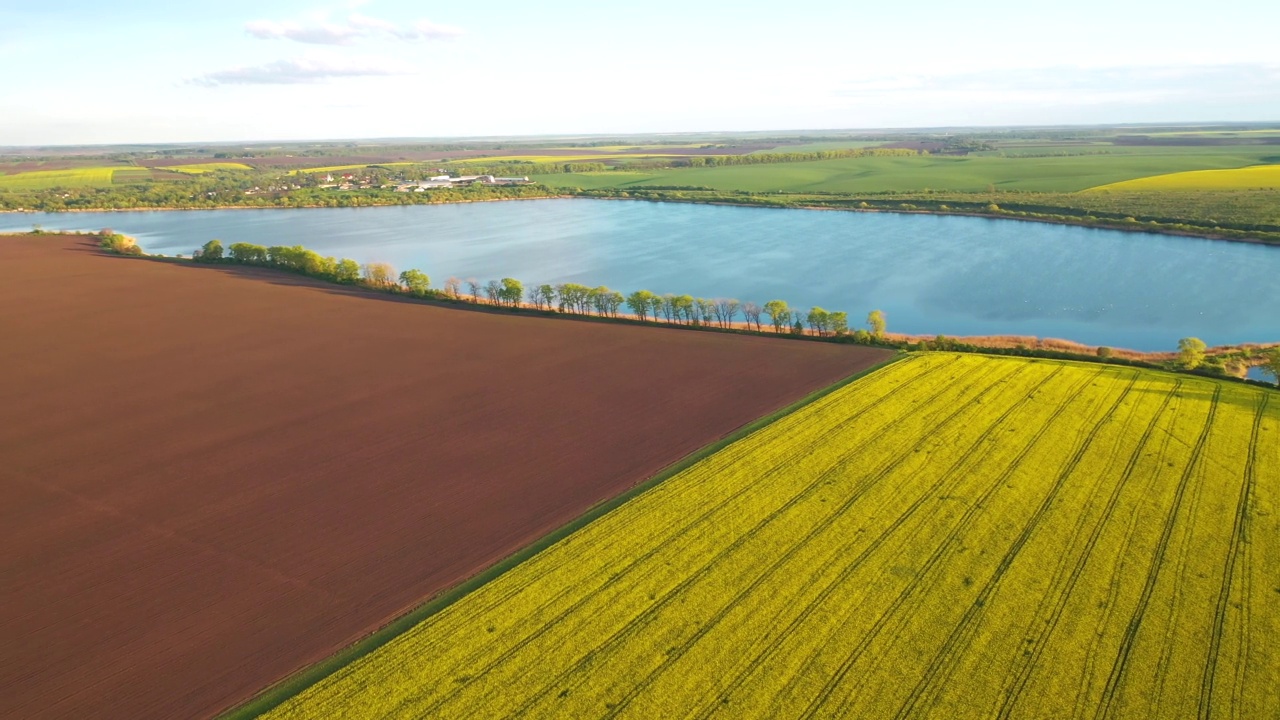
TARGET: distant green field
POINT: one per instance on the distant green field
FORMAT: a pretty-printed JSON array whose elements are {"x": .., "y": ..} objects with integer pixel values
[
  {"x": 206, "y": 167},
  {"x": 75, "y": 177},
  {"x": 821, "y": 145},
  {"x": 936, "y": 172}
]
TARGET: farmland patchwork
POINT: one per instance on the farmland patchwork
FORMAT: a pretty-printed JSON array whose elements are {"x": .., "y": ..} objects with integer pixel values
[{"x": 954, "y": 536}]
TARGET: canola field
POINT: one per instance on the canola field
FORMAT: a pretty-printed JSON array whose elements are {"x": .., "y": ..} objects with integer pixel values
[
  {"x": 952, "y": 536},
  {"x": 68, "y": 178},
  {"x": 1257, "y": 177},
  {"x": 201, "y": 168}
]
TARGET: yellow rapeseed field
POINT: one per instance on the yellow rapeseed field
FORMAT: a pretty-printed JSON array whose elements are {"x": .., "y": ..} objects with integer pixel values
[
  {"x": 953, "y": 537},
  {"x": 1245, "y": 178},
  {"x": 68, "y": 178}
]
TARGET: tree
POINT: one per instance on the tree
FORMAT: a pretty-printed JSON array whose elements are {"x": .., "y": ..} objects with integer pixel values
[
  {"x": 726, "y": 309},
  {"x": 642, "y": 302},
  {"x": 779, "y": 314},
  {"x": 212, "y": 251},
  {"x": 512, "y": 292},
  {"x": 752, "y": 312},
  {"x": 545, "y": 294},
  {"x": 875, "y": 321},
  {"x": 473, "y": 286},
  {"x": 346, "y": 271},
  {"x": 1191, "y": 352},
  {"x": 378, "y": 274},
  {"x": 798, "y": 328},
  {"x": 415, "y": 281},
  {"x": 1271, "y": 363},
  {"x": 493, "y": 291},
  {"x": 818, "y": 319},
  {"x": 453, "y": 287},
  {"x": 838, "y": 323},
  {"x": 248, "y": 254},
  {"x": 667, "y": 305},
  {"x": 704, "y": 310},
  {"x": 684, "y": 307}
]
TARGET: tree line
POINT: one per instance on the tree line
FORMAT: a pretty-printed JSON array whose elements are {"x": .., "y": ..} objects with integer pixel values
[{"x": 567, "y": 298}]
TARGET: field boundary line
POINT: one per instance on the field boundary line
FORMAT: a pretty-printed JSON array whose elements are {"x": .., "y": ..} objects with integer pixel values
[
  {"x": 705, "y": 515},
  {"x": 1115, "y": 681},
  {"x": 586, "y": 598},
  {"x": 1207, "y": 681},
  {"x": 285, "y": 689},
  {"x": 641, "y": 620},
  {"x": 714, "y": 621}
]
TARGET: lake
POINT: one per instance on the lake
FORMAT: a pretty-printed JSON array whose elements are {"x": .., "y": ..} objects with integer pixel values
[{"x": 929, "y": 274}]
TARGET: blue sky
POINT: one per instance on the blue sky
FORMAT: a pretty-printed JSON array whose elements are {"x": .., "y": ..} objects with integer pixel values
[{"x": 94, "y": 72}]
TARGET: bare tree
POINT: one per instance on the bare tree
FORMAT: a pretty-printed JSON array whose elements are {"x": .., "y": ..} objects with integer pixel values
[
  {"x": 726, "y": 309},
  {"x": 473, "y": 286},
  {"x": 493, "y": 290},
  {"x": 378, "y": 273},
  {"x": 753, "y": 312},
  {"x": 452, "y": 287}
]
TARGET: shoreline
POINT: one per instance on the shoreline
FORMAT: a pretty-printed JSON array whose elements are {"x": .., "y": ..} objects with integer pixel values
[
  {"x": 1101, "y": 224},
  {"x": 1003, "y": 344}
]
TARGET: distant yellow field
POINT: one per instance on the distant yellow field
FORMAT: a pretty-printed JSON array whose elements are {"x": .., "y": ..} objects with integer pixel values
[
  {"x": 205, "y": 167},
  {"x": 74, "y": 177},
  {"x": 1246, "y": 178},
  {"x": 950, "y": 537}
]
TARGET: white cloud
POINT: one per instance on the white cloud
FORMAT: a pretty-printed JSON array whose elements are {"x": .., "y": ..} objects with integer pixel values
[
  {"x": 302, "y": 70},
  {"x": 356, "y": 26},
  {"x": 316, "y": 34}
]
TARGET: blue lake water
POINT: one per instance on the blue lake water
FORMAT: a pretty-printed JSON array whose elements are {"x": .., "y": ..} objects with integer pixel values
[{"x": 929, "y": 274}]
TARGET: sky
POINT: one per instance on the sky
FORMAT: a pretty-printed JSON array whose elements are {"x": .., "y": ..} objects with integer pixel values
[{"x": 138, "y": 71}]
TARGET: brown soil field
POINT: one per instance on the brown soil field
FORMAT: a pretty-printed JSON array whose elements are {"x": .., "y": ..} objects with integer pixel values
[{"x": 215, "y": 476}]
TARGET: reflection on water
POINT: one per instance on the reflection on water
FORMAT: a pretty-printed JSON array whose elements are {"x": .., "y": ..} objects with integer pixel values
[{"x": 930, "y": 274}]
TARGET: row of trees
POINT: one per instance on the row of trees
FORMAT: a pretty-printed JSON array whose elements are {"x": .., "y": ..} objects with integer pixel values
[
  {"x": 574, "y": 298},
  {"x": 570, "y": 298}
]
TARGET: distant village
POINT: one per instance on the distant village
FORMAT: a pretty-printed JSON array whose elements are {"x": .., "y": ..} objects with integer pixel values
[{"x": 348, "y": 181}]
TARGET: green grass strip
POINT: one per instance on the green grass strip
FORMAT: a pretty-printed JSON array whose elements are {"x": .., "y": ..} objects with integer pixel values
[{"x": 279, "y": 693}]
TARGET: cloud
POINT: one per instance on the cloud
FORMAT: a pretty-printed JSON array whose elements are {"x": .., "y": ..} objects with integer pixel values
[
  {"x": 297, "y": 71},
  {"x": 317, "y": 34},
  {"x": 356, "y": 26}
]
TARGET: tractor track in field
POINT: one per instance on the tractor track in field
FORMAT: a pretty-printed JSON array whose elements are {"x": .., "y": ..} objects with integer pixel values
[
  {"x": 943, "y": 664},
  {"x": 640, "y": 621},
  {"x": 585, "y": 599},
  {"x": 917, "y": 580},
  {"x": 1111, "y": 693},
  {"x": 1207, "y": 681}
]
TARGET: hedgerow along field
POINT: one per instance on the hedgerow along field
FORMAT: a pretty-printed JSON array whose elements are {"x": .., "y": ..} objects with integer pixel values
[{"x": 952, "y": 536}]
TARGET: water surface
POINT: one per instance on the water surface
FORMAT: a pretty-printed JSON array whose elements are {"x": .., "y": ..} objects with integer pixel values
[{"x": 929, "y": 274}]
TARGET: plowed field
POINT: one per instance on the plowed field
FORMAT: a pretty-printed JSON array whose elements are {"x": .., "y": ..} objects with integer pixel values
[
  {"x": 950, "y": 537},
  {"x": 210, "y": 477}
]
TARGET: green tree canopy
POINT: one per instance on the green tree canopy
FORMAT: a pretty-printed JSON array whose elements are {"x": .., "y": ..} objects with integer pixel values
[
  {"x": 779, "y": 314},
  {"x": 875, "y": 321},
  {"x": 1191, "y": 352},
  {"x": 415, "y": 281}
]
